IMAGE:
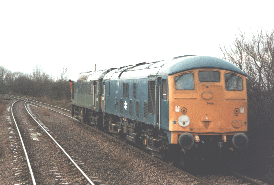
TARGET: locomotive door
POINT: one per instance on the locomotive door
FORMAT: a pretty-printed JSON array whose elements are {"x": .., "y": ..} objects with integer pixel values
[
  {"x": 116, "y": 98},
  {"x": 94, "y": 93},
  {"x": 154, "y": 101},
  {"x": 103, "y": 97},
  {"x": 98, "y": 95},
  {"x": 158, "y": 102}
]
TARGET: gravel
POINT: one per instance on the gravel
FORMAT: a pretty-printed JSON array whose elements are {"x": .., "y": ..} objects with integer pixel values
[
  {"x": 48, "y": 163},
  {"x": 109, "y": 159},
  {"x": 12, "y": 162}
]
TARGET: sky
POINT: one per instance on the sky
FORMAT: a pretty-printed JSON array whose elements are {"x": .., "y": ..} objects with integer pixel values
[{"x": 75, "y": 35}]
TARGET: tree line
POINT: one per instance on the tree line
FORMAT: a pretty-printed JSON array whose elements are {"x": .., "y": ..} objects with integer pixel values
[
  {"x": 37, "y": 84},
  {"x": 255, "y": 56}
]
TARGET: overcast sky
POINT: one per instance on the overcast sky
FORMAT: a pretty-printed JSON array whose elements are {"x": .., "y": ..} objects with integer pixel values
[{"x": 79, "y": 34}]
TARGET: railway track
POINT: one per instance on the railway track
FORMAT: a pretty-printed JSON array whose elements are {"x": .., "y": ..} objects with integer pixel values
[
  {"x": 47, "y": 161},
  {"x": 225, "y": 176}
]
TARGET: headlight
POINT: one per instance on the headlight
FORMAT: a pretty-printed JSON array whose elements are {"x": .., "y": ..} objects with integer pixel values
[{"x": 184, "y": 120}]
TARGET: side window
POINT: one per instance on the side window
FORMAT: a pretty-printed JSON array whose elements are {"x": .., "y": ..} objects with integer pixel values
[
  {"x": 233, "y": 82},
  {"x": 184, "y": 81}
]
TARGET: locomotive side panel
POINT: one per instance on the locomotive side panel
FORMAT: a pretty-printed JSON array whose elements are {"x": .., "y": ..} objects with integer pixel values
[
  {"x": 130, "y": 99},
  {"x": 83, "y": 95},
  {"x": 79, "y": 97}
]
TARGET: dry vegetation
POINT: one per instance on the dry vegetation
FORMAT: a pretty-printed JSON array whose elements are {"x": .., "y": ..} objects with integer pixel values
[
  {"x": 255, "y": 56},
  {"x": 38, "y": 86},
  {"x": 45, "y": 112},
  {"x": 3, "y": 140},
  {"x": 2, "y": 106},
  {"x": 64, "y": 103}
]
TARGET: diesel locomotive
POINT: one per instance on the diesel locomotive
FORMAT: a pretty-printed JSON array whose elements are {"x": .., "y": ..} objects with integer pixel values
[{"x": 187, "y": 105}]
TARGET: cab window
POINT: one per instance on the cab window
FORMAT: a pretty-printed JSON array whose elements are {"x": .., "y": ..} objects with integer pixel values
[
  {"x": 233, "y": 82},
  {"x": 209, "y": 76},
  {"x": 184, "y": 82}
]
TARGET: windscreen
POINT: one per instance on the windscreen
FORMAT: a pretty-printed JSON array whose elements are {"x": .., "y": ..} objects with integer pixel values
[
  {"x": 184, "y": 81},
  {"x": 209, "y": 76},
  {"x": 233, "y": 82}
]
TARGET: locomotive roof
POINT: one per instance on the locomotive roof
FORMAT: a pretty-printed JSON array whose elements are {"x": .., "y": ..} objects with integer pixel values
[
  {"x": 197, "y": 62},
  {"x": 163, "y": 68},
  {"x": 95, "y": 75},
  {"x": 176, "y": 65}
]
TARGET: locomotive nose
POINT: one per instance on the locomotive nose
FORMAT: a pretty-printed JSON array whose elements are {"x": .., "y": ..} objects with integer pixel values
[
  {"x": 186, "y": 140},
  {"x": 240, "y": 140}
]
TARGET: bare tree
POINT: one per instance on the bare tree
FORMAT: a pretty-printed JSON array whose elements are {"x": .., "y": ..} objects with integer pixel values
[
  {"x": 42, "y": 82},
  {"x": 83, "y": 78},
  {"x": 3, "y": 73},
  {"x": 255, "y": 57},
  {"x": 38, "y": 75},
  {"x": 63, "y": 74}
]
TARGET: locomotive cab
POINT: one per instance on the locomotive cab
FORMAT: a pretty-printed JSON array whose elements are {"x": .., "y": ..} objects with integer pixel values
[{"x": 208, "y": 109}]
